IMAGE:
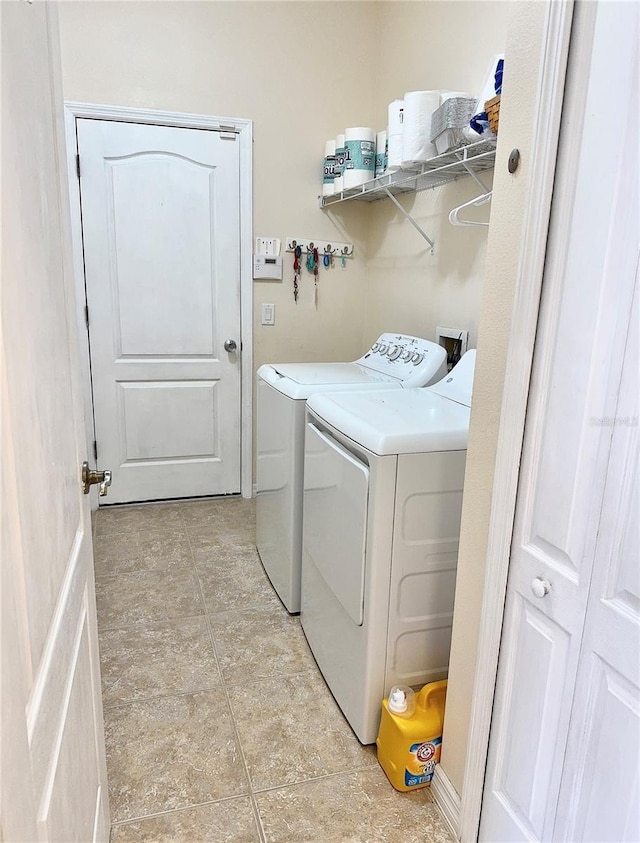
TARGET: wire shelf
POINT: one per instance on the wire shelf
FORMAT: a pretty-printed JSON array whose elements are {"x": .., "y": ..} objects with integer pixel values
[{"x": 442, "y": 169}]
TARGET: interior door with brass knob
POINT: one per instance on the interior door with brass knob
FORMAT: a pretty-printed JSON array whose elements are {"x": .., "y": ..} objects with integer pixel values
[
  {"x": 54, "y": 776},
  {"x": 161, "y": 236}
]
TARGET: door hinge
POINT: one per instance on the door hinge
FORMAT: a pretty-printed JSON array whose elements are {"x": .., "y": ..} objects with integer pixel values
[
  {"x": 78, "y": 165},
  {"x": 86, "y": 315},
  {"x": 95, "y": 450}
]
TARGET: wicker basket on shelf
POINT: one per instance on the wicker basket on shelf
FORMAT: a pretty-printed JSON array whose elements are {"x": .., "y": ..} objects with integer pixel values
[{"x": 492, "y": 107}]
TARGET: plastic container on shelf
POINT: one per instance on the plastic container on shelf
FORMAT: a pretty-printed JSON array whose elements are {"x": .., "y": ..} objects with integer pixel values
[
  {"x": 410, "y": 736},
  {"x": 449, "y": 122}
]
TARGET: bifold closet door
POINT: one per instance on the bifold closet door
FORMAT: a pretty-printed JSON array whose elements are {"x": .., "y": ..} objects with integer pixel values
[{"x": 563, "y": 753}]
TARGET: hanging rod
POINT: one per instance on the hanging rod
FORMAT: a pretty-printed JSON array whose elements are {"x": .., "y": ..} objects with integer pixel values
[{"x": 409, "y": 217}]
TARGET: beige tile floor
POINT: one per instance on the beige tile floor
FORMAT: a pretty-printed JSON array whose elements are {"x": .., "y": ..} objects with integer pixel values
[{"x": 219, "y": 726}]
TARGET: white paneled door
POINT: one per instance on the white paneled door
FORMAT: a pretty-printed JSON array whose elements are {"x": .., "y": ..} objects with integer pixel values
[
  {"x": 564, "y": 746},
  {"x": 53, "y": 780},
  {"x": 600, "y": 787},
  {"x": 160, "y": 223}
]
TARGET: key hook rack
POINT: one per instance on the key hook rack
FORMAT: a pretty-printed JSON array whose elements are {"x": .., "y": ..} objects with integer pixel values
[{"x": 324, "y": 247}]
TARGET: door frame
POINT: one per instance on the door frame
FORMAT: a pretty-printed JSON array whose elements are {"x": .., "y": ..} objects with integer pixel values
[
  {"x": 545, "y": 123},
  {"x": 74, "y": 111}
]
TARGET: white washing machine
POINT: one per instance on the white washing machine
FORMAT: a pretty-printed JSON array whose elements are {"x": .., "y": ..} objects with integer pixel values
[
  {"x": 392, "y": 362},
  {"x": 383, "y": 479}
]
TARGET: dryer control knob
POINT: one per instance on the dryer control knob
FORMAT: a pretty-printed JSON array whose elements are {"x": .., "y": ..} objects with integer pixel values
[
  {"x": 417, "y": 358},
  {"x": 375, "y": 346},
  {"x": 407, "y": 356},
  {"x": 382, "y": 348},
  {"x": 395, "y": 352}
]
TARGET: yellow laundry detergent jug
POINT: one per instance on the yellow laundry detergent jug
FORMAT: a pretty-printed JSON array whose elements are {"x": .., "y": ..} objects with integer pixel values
[{"x": 410, "y": 736}]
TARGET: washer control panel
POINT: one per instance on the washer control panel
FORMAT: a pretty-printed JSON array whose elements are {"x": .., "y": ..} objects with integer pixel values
[{"x": 406, "y": 358}]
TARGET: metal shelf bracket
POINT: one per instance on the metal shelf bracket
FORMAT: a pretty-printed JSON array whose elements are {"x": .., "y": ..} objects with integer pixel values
[
  {"x": 408, "y": 216},
  {"x": 475, "y": 177}
]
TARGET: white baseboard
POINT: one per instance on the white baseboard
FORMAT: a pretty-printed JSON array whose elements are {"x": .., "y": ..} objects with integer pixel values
[{"x": 447, "y": 799}]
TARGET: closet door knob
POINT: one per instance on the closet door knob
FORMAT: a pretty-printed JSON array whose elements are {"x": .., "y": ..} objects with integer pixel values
[
  {"x": 230, "y": 345},
  {"x": 540, "y": 587}
]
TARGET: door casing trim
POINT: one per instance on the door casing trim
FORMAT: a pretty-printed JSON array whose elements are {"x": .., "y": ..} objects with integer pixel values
[{"x": 74, "y": 111}]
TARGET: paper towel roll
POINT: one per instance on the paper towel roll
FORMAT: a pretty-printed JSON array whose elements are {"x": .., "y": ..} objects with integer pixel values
[
  {"x": 360, "y": 156},
  {"x": 329, "y": 168},
  {"x": 416, "y": 127},
  {"x": 381, "y": 152},
  {"x": 395, "y": 115},
  {"x": 338, "y": 181}
]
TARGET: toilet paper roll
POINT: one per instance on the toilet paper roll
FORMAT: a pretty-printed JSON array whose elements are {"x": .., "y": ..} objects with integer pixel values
[
  {"x": 416, "y": 126},
  {"x": 381, "y": 152},
  {"x": 329, "y": 168},
  {"x": 395, "y": 115},
  {"x": 338, "y": 181},
  {"x": 360, "y": 155}
]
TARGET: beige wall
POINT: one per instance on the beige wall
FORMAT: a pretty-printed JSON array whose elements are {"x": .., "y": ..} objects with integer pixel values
[
  {"x": 441, "y": 45},
  {"x": 268, "y": 62},
  {"x": 522, "y": 70}
]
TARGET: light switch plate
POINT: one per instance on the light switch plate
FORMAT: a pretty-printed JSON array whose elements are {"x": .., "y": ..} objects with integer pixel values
[
  {"x": 268, "y": 246},
  {"x": 268, "y": 314}
]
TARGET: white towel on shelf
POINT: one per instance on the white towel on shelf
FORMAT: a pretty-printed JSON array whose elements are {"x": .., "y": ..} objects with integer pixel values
[
  {"x": 416, "y": 127},
  {"x": 394, "y": 134}
]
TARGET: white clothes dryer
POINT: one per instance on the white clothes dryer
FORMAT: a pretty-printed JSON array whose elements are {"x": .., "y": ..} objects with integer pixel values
[
  {"x": 393, "y": 361},
  {"x": 383, "y": 480}
]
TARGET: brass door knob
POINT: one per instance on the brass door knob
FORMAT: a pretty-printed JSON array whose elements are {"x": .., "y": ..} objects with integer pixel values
[{"x": 90, "y": 478}]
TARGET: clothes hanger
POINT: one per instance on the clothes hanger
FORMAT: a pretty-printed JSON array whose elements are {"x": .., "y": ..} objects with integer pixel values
[{"x": 454, "y": 219}]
